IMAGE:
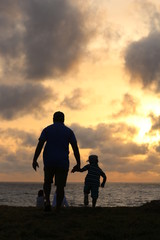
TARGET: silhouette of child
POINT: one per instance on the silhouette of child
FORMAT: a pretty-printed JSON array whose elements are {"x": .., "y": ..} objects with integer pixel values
[
  {"x": 40, "y": 199},
  {"x": 92, "y": 179}
]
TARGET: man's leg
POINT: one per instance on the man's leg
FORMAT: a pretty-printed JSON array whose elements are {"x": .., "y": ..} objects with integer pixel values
[
  {"x": 60, "y": 196},
  {"x": 47, "y": 191},
  {"x": 60, "y": 182},
  {"x": 94, "y": 200},
  {"x": 48, "y": 179}
]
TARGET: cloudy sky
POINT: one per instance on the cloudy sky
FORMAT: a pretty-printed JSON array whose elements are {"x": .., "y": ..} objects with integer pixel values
[{"x": 98, "y": 61}]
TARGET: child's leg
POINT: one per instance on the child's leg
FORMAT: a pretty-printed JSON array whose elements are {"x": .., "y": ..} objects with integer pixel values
[
  {"x": 86, "y": 199},
  {"x": 94, "y": 194},
  {"x": 86, "y": 192}
]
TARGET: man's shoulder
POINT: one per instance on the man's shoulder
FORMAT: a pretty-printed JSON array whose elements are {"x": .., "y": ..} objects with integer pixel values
[
  {"x": 48, "y": 127},
  {"x": 59, "y": 127},
  {"x": 68, "y": 129}
]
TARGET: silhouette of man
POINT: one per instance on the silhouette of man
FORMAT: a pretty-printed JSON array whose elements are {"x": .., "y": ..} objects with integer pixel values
[{"x": 57, "y": 137}]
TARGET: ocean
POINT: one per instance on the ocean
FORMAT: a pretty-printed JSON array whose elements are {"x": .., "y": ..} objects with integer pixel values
[{"x": 114, "y": 194}]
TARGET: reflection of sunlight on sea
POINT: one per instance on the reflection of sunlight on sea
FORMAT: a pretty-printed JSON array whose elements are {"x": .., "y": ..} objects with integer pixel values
[{"x": 114, "y": 194}]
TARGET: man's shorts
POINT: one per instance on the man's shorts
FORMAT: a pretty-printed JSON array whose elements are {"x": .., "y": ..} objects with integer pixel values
[
  {"x": 94, "y": 189},
  {"x": 60, "y": 175}
]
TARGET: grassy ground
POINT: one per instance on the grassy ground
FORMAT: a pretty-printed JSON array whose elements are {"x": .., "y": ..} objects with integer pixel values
[{"x": 120, "y": 223}]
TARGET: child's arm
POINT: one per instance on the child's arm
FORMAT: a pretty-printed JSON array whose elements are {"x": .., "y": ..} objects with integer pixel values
[
  {"x": 85, "y": 168},
  {"x": 104, "y": 179}
]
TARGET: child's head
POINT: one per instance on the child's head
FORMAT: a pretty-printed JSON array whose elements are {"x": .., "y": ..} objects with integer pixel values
[
  {"x": 93, "y": 159},
  {"x": 40, "y": 193}
]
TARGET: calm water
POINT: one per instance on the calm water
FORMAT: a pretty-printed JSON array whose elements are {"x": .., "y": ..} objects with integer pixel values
[{"x": 114, "y": 194}]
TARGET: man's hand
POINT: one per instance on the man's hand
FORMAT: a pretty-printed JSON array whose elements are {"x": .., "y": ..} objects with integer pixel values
[
  {"x": 102, "y": 185},
  {"x": 76, "y": 168},
  {"x": 35, "y": 165}
]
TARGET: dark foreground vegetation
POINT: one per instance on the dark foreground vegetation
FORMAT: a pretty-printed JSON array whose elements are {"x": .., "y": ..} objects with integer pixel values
[{"x": 120, "y": 223}]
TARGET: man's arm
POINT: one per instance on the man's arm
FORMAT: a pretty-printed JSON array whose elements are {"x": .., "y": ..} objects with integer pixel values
[
  {"x": 76, "y": 155},
  {"x": 37, "y": 153}
]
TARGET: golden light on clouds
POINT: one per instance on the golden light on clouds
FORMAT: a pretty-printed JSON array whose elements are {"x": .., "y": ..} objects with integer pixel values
[
  {"x": 144, "y": 126},
  {"x": 99, "y": 64}
]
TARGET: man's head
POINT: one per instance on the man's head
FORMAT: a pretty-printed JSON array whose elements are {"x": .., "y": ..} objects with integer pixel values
[{"x": 58, "y": 117}]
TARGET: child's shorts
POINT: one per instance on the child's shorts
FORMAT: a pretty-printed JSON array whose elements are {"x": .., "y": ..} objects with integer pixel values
[{"x": 94, "y": 189}]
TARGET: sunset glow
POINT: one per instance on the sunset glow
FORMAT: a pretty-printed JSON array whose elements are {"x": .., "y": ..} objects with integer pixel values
[{"x": 99, "y": 63}]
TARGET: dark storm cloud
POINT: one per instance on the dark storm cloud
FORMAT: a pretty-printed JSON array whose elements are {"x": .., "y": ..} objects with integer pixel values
[
  {"x": 149, "y": 14},
  {"x": 75, "y": 100},
  {"x": 129, "y": 157},
  {"x": 142, "y": 60},
  {"x": 11, "y": 40},
  {"x": 41, "y": 39},
  {"x": 55, "y": 37},
  {"x": 158, "y": 148},
  {"x": 10, "y": 31},
  {"x": 109, "y": 136},
  {"x": 89, "y": 137},
  {"x": 17, "y": 161},
  {"x": 142, "y": 57},
  {"x": 20, "y": 137},
  {"x": 19, "y": 100},
  {"x": 129, "y": 105},
  {"x": 116, "y": 150},
  {"x": 124, "y": 165},
  {"x": 111, "y": 142}
]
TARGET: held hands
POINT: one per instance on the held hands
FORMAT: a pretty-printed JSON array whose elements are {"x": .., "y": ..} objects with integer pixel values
[
  {"x": 35, "y": 165},
  {"x": 76, "y": 168},
  {"x": 102, "y": 185}
]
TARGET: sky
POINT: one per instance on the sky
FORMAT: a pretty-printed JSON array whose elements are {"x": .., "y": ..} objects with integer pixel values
[{"x": 98, "y": 61}]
